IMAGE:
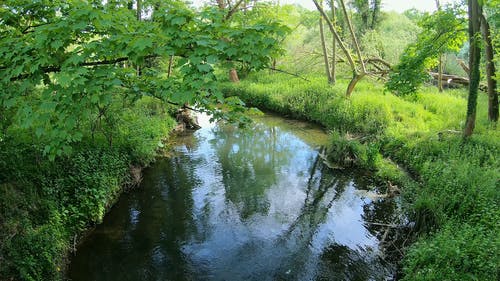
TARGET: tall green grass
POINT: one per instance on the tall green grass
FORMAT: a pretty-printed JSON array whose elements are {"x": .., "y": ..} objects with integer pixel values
[{"x": 453, "y": 197}]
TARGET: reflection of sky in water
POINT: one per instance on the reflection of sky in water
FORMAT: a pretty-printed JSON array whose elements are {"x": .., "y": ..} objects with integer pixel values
[
  {"x": 236, "y": 247},
  {"x": 238, "y": 205}
]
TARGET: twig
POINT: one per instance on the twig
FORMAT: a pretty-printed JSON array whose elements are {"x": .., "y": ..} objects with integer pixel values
[
  {"x": 383, "y": 224},
  {"x": 289, "y": 73},
  {"x": 184, "y": 106}
]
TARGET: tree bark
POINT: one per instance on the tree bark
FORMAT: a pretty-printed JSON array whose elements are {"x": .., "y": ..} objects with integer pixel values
[
  {"x": 323, "y": 47},
  {"x": 353, "y": 35},
  {"x": 221, "y": 4},
  {"x": 440, "y": 73},
  {"x": 440, "y": 66},
  {"x": 353, "y": 83},
  {"x": 233, "y": 75},
  {"x": 334, "y": 45},
  {"x": 170, "y": 66},
  {"x": 139, "y": 9},
  {"x": 376, "y": 13},
  {"x": 474, "y": 11},
  {"x": 490, "y": 71},
  {"x": 337, "y": 36},
  {"x": 356, "y": 75}
]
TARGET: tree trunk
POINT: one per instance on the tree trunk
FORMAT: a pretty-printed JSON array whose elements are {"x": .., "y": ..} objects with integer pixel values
[
  {"x": 138, "y": 14},
  {"x": 350, "y": 59},
  {"x": 337, "y": 37},
  {"x": 353, "y": 35},
  {"x": 438, "y": 5},
  {"x": 376, "y": 13},
  {"x": 474, "y": 11},
  {"x": 334, "y": 45},
  {"x": 323, "y": 47},
  {"x": 440, "y": 66},
  {"x": 233, "y": 75},
  {"x": 440, "y": 73},
  {"x": 221, "y": 4},
  {"x": 490, "y": 71},
  {"x": 170, "y": 65},
  {"x": 353, "y": 83},
  {"x": 139, "y": 9}
]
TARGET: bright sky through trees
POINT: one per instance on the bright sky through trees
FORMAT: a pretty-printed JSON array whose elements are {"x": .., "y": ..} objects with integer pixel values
[{"x": 387, "y": 5}]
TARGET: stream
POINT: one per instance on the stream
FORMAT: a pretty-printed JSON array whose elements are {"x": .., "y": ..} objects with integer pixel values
[{"x": 242, "y": 204}]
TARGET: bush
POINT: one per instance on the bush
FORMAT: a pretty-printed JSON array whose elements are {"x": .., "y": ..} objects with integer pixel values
[
  {"x": 457, "y": 252},
  {"x": 46, "y": 204}
]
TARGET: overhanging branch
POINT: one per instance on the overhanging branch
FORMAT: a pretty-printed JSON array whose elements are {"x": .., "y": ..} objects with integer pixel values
[{"x": 49, "y": 69}]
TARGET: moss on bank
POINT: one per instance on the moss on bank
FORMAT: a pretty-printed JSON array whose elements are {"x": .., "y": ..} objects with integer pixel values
[
  {"x": 46, "y": 205},
  {"x": 454, "y": 201}
]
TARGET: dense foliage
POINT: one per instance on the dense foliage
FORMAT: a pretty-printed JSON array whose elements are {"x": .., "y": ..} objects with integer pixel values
[
  {"x": 442, "y": 31},
  {"x": 45, "y": 205},
  {"x": 85, "y": 95},
  {"x": 65, "y": 62}
]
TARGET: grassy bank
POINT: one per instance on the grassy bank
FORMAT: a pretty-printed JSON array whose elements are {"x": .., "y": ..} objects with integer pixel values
[
  {"x": 453, "y": 197},
  {"x": 46, "y": 205}
]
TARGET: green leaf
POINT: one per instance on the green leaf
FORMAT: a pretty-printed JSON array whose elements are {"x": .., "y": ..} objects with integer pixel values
[
  {"x": 178, "y": 21},
  {"x": 204, "y": 67}
]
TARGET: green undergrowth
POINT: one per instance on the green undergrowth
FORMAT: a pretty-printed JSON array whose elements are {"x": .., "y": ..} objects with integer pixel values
[
  {"x": 450, "y": 185},
  {"x": 46, "y": 205}
]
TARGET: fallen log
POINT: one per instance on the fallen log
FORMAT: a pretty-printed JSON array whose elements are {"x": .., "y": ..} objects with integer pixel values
[{"x": 454, "y": 80}]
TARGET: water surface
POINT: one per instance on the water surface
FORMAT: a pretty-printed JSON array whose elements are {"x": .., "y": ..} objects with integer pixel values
[{"x": 241, "y": 204}]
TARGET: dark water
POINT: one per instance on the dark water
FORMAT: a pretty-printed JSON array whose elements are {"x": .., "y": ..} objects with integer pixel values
[{"x": 232, "y": 204}]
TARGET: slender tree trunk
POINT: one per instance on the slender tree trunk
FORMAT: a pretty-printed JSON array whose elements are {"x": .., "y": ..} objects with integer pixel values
[
  {"x": 474, "y": 11},
  {"x": 353, "y": 35},
  {"x": 334, "y": 45},
  {"x": 323, "y": 47},
  {"x": 170, "y": 66},
  {"x": 221, "y": 4},
  {"x": 490, "y": 71},
  {"x": 337, "y": 37},
  {"x": 356, "y": 76},
  {"x": 139, "y": 9},
  {"x": 138, "y": 15},
  {"x": 440, "y": 73},
  {"x": 354, "y": 81},
  {"x": 440, "y": 66},
  {"x": 376, "y": 13},
  {"x": 233, "y": 75}
]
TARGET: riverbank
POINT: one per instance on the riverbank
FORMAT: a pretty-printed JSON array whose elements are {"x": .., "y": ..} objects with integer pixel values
[
  {"x": 453, "y": 201},
  {"x": 46, "y": 205}
]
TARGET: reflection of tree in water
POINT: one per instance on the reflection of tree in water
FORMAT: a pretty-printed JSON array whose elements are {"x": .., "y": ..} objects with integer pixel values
[
  {"x": 143, "y": 239},
  {"x": 340, "y": 263},
  {"x": 167, "y": 211},
  {"x": 250, "y": 160},
  {"x": 385, "y": 221},
  {"x": 324, "y": 189},
  {"x": 164, "y": 221},
  {"x": 317, "y": 202}
]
